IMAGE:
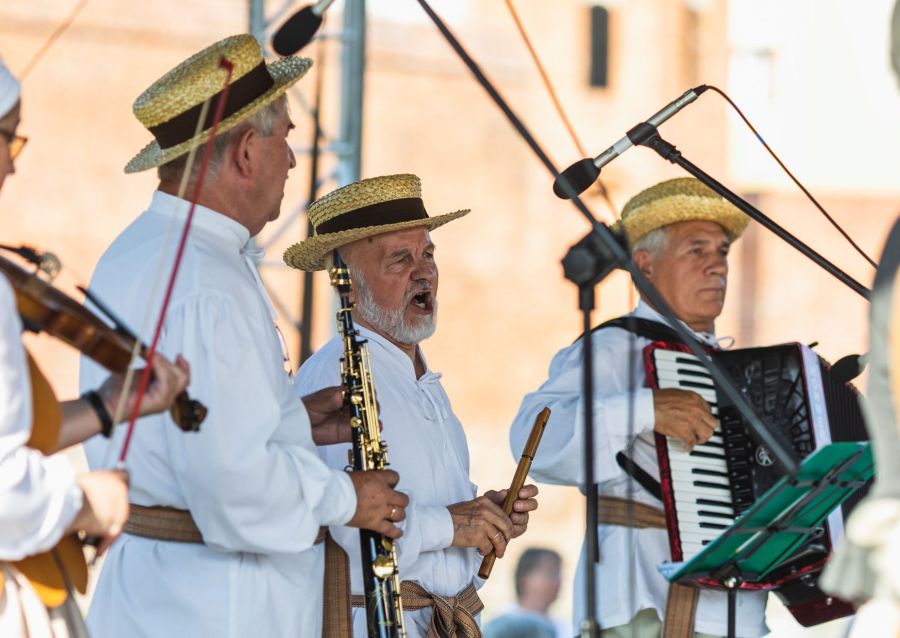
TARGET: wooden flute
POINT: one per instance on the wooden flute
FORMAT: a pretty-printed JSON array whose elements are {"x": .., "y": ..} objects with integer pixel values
[{"x": 531, "y": 446}]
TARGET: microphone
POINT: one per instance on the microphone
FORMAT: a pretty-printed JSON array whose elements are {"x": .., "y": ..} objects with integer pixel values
[
  {"x": 848, "y": 368},
  {"x": 580, "y": 175},
  {"x": 299, "y": 29}
]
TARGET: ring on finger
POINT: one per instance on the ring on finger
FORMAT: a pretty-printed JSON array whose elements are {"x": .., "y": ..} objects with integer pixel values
[
  {"x": 494, "y": 537},
  {"x": 391, "y": 515}
]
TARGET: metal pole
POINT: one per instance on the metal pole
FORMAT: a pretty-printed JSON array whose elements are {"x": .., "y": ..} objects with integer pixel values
[{"x": 353, "y": 66}]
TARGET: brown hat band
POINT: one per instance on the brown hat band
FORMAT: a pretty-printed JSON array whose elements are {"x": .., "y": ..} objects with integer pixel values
[
  {"x": 242, "y": 92},
  {"x": 392, "y": 212}
]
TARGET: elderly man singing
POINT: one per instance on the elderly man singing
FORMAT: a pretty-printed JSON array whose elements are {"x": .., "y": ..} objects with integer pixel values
[
  {"x": 223, "y": 538},
  {"x": 680, "y": 233},
  {"x": 383, "y": 233}
]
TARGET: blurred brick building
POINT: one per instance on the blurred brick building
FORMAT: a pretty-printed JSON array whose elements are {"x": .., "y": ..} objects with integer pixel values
[{"x": 813, "y": 75}]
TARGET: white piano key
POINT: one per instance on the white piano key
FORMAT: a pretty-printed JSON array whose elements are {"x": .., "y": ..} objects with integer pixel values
[
  {"x": 689, "y": 475},
  {"x": 672, "y": 355},
  {"x": 691, "y": 505},
  {"x": 691, "y": 519},
  {"x": 698, "y": 536},
  {"x": 687, "y": 462},
  {"x": 699, "y": 452},
  {"x": 689, "y": 488},
  {"x": 680, "y": 373}
]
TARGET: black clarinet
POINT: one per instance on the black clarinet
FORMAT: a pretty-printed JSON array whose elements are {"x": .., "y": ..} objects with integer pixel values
[{"x": 381, "y": 580}]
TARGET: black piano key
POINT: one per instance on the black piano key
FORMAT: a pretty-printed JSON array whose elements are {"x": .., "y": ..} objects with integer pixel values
[
  {"x": 708, "y": 472},
  {"x": 729, "y": 517},
  {"x": 708, "y": 455},
  {"x": 710, "y": 501}
]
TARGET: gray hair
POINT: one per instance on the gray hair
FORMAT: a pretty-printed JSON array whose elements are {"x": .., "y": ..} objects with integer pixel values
[
  {"x": 263, "y": 121},
  {"x": 653, "y": 242}
]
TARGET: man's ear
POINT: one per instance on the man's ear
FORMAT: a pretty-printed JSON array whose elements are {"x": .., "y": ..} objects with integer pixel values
[
  {"x": 644, "y": 262},
  {"x": 244, "y": 153}
]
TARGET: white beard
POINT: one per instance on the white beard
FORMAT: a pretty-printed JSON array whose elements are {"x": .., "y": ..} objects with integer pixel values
[{"x": 391, "y": 321}]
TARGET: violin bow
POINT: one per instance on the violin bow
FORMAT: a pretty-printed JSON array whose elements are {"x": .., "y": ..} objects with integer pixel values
[{"x": 144, "y": 381}]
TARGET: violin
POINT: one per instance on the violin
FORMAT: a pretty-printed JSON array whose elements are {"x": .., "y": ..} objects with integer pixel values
[{"x": 44, "y": 308}]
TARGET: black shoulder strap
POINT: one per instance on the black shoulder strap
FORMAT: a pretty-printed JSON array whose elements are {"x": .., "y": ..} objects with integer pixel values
[
  {"x": 640, "y": 475},
  {"x": 647, "y": 328}
]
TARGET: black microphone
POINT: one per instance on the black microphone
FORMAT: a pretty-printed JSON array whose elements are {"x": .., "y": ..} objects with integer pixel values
[
  {"x": 846, "y": 369},
  {"x": 299, "y": 29},
  {"x": 580, "y": 175}
]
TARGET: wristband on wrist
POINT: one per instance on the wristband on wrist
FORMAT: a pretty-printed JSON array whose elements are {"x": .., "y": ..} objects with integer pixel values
[{"x": 96, "y": 403}]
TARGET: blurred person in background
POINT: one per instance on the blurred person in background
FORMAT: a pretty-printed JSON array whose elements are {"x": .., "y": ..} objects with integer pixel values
[
  {"x": 538, "y": 578},
  {"x": 42, "y": 500}
]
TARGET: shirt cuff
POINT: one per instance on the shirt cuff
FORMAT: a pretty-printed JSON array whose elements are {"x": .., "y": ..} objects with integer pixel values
[
  {"x": 338, "y": 504},
  {"x": 59, "y": 472},
  {"x": 436, "y": 527}
]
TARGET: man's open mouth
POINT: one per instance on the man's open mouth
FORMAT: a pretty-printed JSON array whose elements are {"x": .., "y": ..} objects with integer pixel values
[{"x": 424, "y": 301}]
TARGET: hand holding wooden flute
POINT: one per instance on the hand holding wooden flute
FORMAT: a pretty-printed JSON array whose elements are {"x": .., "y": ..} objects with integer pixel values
[{"x": 531, "y": 446}]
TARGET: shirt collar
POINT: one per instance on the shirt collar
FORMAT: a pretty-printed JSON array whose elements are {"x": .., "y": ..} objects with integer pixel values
[
  {"x": 645, "y": 311},
  {"x": 234, "y": 233},
  {"x": 396, "y": 354}
]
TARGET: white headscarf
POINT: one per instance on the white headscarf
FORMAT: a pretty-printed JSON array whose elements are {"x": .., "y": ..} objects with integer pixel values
[{"x": 9, "y": 90}]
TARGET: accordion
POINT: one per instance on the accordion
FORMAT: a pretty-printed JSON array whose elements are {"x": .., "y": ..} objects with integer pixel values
[{"x": 705, "y": 490}]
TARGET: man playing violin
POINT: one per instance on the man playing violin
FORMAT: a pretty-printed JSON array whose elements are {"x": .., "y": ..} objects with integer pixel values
[
  {"x": 224, "y": 538},
  {"x": 42, "y": 500}
]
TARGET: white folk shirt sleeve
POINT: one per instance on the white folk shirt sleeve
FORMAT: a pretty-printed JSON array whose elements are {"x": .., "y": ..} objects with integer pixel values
[
  {"x": 427, "y": 448},
  {"x": 618, "y": 400},
  {"x": 251, "y": 477},
  {"x": 39, "y": 497}
]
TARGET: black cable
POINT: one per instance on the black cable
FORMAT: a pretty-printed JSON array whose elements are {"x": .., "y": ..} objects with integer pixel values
[{"x": 791, "y": 175}]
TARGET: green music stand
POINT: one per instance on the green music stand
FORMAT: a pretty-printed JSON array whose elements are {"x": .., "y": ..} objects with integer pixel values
[{"x": 781, "y": 520}]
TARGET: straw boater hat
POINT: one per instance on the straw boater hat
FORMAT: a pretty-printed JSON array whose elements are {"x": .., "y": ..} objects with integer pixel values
[
  {"x": 363, "y": 209},
  {"x": 170, "y": 108},
  {"x": 679, "y": 200}
]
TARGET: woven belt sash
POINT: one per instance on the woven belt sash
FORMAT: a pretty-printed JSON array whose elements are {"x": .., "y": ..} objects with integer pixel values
[
  {"x": 452, "y": 617},
  {"x": 162, "y": 524},
  {"x": 681, "y": 603},
  {"x": 170, "y": 524}
]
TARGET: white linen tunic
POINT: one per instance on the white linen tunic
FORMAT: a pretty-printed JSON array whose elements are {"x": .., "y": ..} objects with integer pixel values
[
  {"x": 39, "y": 497},
  {"x": 251, "y": 477},
  {"x": 625, "y": 554},
  {"x": 427, "y": 447}
]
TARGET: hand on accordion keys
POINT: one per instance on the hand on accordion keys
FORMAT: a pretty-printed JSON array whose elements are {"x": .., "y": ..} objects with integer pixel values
[{"x": 683, "y": 415}]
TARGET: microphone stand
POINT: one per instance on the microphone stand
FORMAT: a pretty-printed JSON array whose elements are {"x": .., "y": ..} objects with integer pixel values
[
  {"x": 648, "y": 135},
  {"x": 587, "y": 263}
]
